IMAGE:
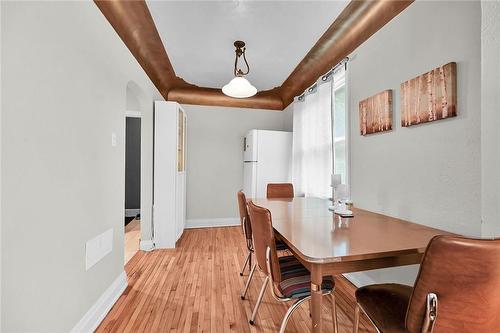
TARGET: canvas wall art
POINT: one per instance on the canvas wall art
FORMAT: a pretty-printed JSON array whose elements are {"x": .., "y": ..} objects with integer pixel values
[
  {"x": 375, "y": 113},
  {"x": 430, "y": 96}
]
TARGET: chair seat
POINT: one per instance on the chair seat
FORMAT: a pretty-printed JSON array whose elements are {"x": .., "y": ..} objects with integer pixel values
[
  {"x": 296, "y": 279},
  {"x": 280, "y": 245},
  {"x": 386, "y": 305}
]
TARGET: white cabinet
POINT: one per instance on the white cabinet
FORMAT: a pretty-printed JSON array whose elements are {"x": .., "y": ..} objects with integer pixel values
[{"x": 169, "y": 194}]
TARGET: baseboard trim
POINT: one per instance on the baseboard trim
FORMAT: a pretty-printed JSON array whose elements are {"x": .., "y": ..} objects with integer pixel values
[
  {"x": 132, "y": 212},
  {"x": 100, "y": 309},
  {"x": 210, "y": 223},
  {"x": 147, "y": 245}
]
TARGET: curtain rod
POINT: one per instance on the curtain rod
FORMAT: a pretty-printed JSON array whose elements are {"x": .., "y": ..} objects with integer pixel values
[{"x": 325, "y": 77}]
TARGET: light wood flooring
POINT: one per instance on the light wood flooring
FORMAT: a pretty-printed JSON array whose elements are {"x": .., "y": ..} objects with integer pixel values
[
  {"x": 196, "y": 288},
  {"x": 132, "y": 238}
]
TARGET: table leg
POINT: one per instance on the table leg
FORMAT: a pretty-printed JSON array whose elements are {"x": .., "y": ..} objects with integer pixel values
[{"x": 316, "y": 298}]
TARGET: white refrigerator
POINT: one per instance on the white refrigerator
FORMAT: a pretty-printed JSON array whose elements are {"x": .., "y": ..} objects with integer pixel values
[{"x": 267, "y": 158}]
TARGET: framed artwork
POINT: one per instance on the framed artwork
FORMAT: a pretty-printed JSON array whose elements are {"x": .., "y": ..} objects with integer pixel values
[
  {"x": 429, "y": 97},
  {"x": 375, "y": 113}
]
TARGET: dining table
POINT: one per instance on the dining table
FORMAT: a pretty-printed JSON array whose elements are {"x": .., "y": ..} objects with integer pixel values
[{"x": 328, "y": 244}]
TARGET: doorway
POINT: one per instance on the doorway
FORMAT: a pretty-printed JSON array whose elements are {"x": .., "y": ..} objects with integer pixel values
[{"x": 132, "y": 184}]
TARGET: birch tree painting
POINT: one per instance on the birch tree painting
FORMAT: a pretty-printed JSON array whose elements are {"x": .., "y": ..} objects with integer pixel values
[
  {"x": 430, "y": 96},
  {"x": 375, "y": 113}
]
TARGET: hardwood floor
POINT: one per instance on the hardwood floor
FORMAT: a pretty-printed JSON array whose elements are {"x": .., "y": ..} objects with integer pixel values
[
  {"x": 196, "y": 288},
  {"x": 132, "y": 238}
]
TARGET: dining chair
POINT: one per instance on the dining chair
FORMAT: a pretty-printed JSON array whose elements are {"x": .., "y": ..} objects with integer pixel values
[
  {"x": 247, "y": 229},
  {"x": 290, "y": 280},
  {"x": 280, "y": 190},
  {"x": 457, "y": 290},
  {"x": 247, "y": 232}
]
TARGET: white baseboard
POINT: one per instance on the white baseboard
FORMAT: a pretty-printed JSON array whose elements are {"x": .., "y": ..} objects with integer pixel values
[
  {"x": 132, "y": 212},
  {"x": 146, "y": 245},
  {"x": 98, "y": 311},
  {"x": 209, "y": 223}
]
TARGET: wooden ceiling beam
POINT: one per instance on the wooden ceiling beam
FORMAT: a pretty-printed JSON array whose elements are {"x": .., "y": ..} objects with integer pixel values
[
  {"x": 132, "y": 21},
  {"x": 268, "y": 99},
  {"x": 357, "y": 22}
]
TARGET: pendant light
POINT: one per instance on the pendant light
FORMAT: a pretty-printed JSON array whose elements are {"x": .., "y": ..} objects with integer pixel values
[{"x": 239, "y": 87}]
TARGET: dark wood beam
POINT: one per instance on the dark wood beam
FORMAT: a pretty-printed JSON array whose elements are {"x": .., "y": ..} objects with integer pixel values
[
  {"x": 212, "y": 96},
  {"x": 132, "y": 21},
  {"x": 357, "y": 22},
  {"x": 134, "y": 24}
]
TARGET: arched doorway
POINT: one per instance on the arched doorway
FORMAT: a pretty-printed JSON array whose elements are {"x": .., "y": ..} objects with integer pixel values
[{"x": 133, "y": 119}]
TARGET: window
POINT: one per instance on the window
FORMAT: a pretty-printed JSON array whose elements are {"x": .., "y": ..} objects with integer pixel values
[
  {"x": 320, "y": 133},
  {"x": 312, "y": 143},
  {"x": 340, "y": 128}
]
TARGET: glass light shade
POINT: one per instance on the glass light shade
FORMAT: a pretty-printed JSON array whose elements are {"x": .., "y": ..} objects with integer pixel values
[{"x": 239, "y": 87}]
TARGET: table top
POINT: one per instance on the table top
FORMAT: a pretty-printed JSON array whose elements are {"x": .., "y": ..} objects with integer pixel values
[{"x": 320, "y": 236}]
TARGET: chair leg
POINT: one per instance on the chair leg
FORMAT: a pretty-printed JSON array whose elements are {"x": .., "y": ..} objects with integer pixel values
[
  {"x": 246, "y": 262},
  {"x": 356, "y": 319},
  {"x": 244, "y": 293},
  {"x": 334, "y": 312},
  {"x": 290, "y": 311},
  {"x": 249, "y": 261},
  {"x": 259, "y": 300}
]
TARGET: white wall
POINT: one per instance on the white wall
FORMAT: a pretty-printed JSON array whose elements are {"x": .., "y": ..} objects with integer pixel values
[
  {"x": 429, "y": 174},
  {"x": 490, "y": 118},
  {"x": 1, "y": 264},
  {"x": 215, "y": 156},
  {"x": 64, "y": 79}
]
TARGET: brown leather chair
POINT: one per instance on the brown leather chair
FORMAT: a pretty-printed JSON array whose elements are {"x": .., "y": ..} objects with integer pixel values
[
  {"x": 457, "y": 290},
  {"x": 247, "y": 232},
  {"x": 246, "y": 227},
  {"x": 290, "y": 280},
  {"x": 281, "y": 190}
]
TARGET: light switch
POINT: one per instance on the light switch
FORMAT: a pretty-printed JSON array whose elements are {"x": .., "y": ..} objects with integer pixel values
[{"x": 113, "y": 139}]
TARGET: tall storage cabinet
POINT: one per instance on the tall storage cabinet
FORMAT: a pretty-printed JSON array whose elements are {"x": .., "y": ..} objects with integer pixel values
[{"x": 169, "y": 194}]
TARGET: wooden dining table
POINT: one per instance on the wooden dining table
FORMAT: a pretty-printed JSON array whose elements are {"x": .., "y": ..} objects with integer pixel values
[{"x": 327, "y": 244}]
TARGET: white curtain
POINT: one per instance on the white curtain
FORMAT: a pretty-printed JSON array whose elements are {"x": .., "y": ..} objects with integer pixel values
[{"x": 312, "y": 143}]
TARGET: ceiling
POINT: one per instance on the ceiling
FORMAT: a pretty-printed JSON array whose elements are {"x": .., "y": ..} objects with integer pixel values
[{"x": 199, "y": 37}]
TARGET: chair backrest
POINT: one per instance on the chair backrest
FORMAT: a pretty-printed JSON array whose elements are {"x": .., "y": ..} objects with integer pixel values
[
  {"x": 281, "y": 190},
  {"x": 263, "y": 237},
  {"x": 464, "y": 273},
  {"x": 244, "y": 217}
]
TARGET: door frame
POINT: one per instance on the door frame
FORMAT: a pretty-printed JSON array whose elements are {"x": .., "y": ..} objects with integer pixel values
[{"x": 133, "y": 114}]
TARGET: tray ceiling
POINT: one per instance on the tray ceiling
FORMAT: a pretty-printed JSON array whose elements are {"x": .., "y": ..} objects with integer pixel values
[{"x": 199, "y": 37}]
